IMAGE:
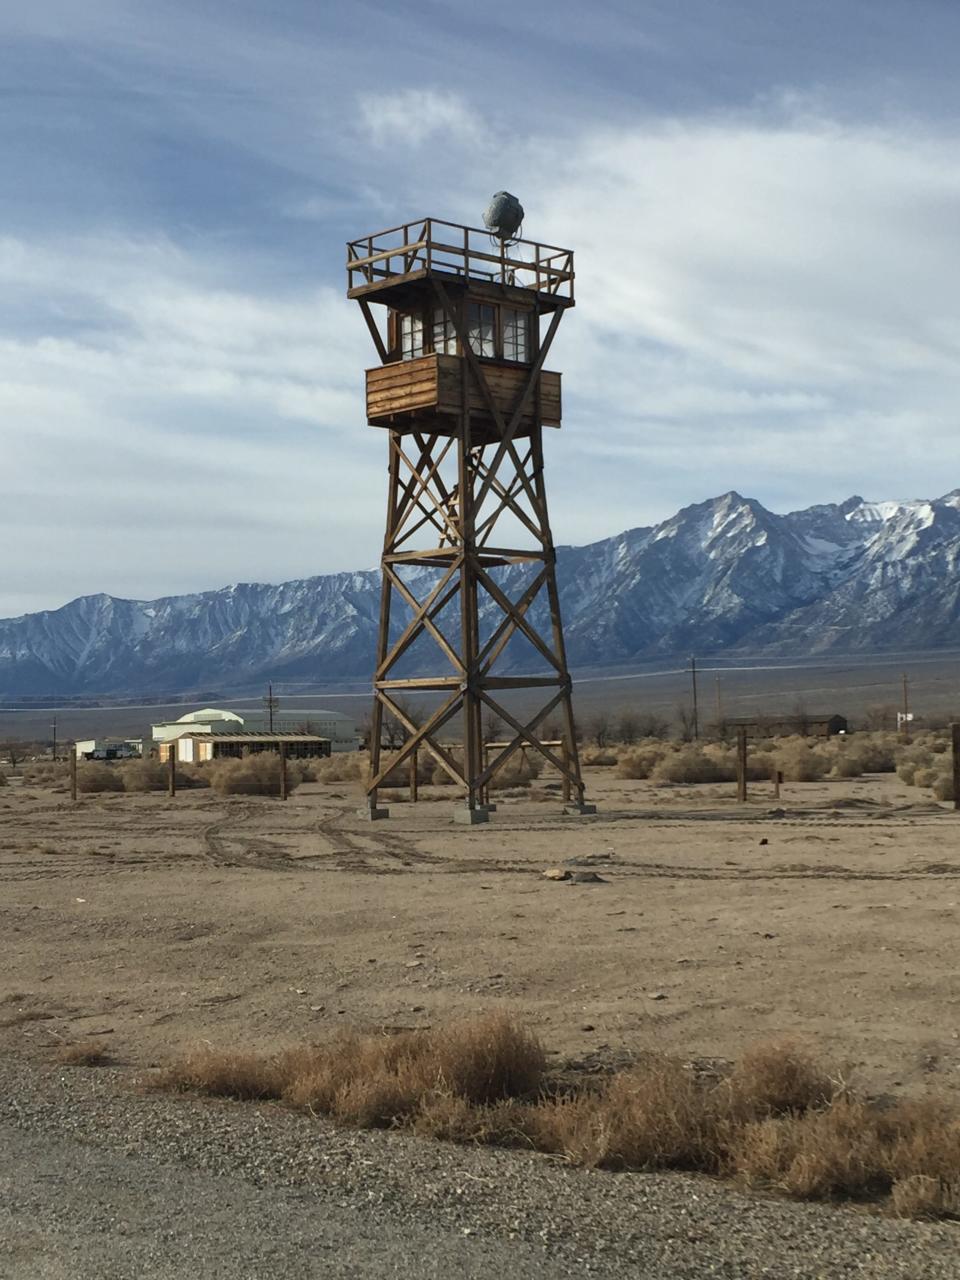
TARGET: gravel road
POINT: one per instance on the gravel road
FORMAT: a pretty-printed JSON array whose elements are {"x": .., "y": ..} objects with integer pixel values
[{"x": 100, "y": 1182}]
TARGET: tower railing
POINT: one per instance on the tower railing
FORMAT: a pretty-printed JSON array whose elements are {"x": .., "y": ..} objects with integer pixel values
[{"x": 430, "y": 245}]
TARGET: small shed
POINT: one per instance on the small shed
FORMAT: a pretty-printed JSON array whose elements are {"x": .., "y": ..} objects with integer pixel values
[
  {"x": 195, "y": 748},
  {"x": 806, "y": 726}
]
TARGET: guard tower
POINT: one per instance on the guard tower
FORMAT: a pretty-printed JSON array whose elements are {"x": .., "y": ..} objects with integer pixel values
[{"x": 469, "y": 598}]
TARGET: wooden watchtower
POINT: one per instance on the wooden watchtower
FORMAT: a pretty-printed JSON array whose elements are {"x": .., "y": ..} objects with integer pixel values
[{"x": 469, "y": 599}]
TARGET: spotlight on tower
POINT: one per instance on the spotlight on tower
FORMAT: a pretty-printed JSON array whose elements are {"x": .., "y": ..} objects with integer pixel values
[{"x": 504, "y": 216}]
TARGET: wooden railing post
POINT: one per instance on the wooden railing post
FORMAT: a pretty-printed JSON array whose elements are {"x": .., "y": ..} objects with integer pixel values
[{"x": 741, "y": 764}]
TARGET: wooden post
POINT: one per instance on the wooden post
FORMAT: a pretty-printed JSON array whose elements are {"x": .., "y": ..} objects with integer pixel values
[
  {"x": 172, "y": 769},
  {"x": 567, "y": 790},
  {"x": 741, "y": 764},
  {"x": 73, "y": 771},
  {"x": 413, "y": 778},
  {"x": 777, "y": 779},
  {"x": 955, "y": 741},
  {"x": 283, "y": 771}
]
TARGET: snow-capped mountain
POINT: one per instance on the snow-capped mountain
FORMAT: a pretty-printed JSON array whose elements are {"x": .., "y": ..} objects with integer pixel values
[{"x": 721, "y": 575}]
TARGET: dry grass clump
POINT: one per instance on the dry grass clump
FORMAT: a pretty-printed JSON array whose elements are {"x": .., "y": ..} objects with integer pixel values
[
  {"x": 695, "y": 764},
  {"x": 85, "y": 1053},
  {"x": 942, "y": 786},
  {"x": 639, "y": 762},
  {"x": 45, "y": 773},
  {"x": 876, "y": 752},
  {"x": 601, "y": 757},
  {"x": 253, "y": 775},
  {"x": 777, "y": 1120},
  {"x": 345, "y": 766},
  {"x": 378, "y": 1080},
  {"x": 154, "y": 775},
  {"x": 93, "y": 778},
  {"x": 520, "y": 770},
  {"x": 800, "y": 761},
  {"x": 912, "y": 758},
  {"x": 3, "y": 778}
]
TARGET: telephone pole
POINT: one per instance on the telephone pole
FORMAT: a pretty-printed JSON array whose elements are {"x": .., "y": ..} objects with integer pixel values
[
  {"x": 696, "y": 714},
  {"x": 720, "y": 732},
  {"x": 54, "y": 728},
  {"x": 271, "y": 703},
  {"x": 906, "y": 705}
]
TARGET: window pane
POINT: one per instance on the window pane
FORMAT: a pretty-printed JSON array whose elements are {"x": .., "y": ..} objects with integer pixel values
[
  {"x": 444, "y": 338},
  {"x": 515, "y": 345},
  {"x": 411, "y": 337},
  {"x": 481, "y": 320}
]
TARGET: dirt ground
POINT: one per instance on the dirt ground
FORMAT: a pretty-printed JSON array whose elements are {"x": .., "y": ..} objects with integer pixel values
[{"x": 154, "y": 923}]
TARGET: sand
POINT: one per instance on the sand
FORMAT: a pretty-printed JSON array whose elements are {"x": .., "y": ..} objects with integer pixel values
[{"x": 154, "y": 923}]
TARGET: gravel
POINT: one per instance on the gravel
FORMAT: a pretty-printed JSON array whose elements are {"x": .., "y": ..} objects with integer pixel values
[{"x": 99, "y": 1181}]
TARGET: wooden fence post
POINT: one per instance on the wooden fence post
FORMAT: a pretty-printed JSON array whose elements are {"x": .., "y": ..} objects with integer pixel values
[
  {"x": 955, "y": 742},
  {"x": 777, "y": 779},
  {"x": 741, "y": 764},
  {"x": 565, "y": 756},
  {"x": 73, "y": 771},
  {"x": 172, "y": 769},
  {"x": 414, "y": 793},
  {"x": 283, "y": 771}
]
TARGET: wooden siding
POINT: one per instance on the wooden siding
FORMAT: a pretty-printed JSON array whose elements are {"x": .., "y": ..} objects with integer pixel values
[{"x": 431, "y": 383}]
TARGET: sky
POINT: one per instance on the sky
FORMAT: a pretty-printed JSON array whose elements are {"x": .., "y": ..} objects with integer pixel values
[{"x": 763, "y": 198}]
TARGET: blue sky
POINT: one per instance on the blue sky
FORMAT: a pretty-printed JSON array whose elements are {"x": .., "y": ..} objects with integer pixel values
[{"x": 764, "y": 200}]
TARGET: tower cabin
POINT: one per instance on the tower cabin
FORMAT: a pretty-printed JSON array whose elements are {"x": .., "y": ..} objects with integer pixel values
[{"x": 455, "y": 298}]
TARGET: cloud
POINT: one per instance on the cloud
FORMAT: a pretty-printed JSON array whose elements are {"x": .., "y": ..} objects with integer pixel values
[{"x": 410, "y": 117}]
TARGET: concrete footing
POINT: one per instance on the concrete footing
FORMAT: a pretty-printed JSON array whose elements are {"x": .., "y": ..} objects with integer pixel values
[
  {"x": 579, "y": 809},
  {"x": 471, "y": 817},
  {"x": 372, "y": 814}
]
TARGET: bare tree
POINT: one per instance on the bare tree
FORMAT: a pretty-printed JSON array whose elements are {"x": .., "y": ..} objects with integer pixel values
[
  {"x": 628, "y": 727},
  {"x": 801, "y": 716},
  {"x": 599, "y": 728},
  {"x": 492, "y": 727},
  {"x": 14, "y": 752},
  {"x": 653, "y": 726},
  {"x": 882, "y": 716},
  {"x": 686, "y": 721}
]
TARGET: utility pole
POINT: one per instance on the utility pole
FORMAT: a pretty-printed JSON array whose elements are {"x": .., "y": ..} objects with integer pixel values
[
  {"x": 906, "y": 704},
  {"x": 720, "y": 732},
  {"x": 54, "y": 728},
  {"x": 271, "y": 703},
  {"x": 696, "y": 714}
]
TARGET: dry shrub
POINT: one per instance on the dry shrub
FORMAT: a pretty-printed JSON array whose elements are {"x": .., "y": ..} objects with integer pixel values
[
  {"x": 345, "y": 766},
  {"x": 694, "y": 764},
  {"x": 3, "y": 778},
  {"x": 800, "y": 761},
  {"x": 922, "y": 1196},
  {"x": 876, "y": 753},
  {"x": 942, "y": 786},
  {"x": 223, "y": 1073},
  {"x": 519, "y": 771},
  {"x": 777, "y": 1120},
  {"x": 639, "y": 762},
  {"x": 93, "y": 778},
  {"x": 45, "y": 773},
  {"x": 911, "y": 759},
  {"x": 846, "y": 765},
  {"x": 655, "y": 1117},
  {"x": 601, "y": 757},
  {"x": 154, "y": 775},
  {"x": 85, "y": 1053},
  {"x": 777, "y": 1076},
  {"x": 372, "y": 1080},
  {"x": 254, "y": 775},
  {"x": 760, "y": 766}
]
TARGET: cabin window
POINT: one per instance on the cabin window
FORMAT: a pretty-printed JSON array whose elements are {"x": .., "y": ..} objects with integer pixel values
[
  {"x": 481, "y": 329},
  {"x": 444, "y": 334},
  {"x": 516, "y": 335},
  {"x": 411, "y": 337}
]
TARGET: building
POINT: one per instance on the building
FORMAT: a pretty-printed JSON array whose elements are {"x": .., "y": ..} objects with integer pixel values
[
  {"x": 807, "y": 726},
  {"x": 196, "y": 748},
  {"x": 109, "y": 748},
  {"x": 339, "y": 729}
]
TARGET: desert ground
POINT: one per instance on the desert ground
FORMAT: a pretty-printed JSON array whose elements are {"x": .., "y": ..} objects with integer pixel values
[{"x": 153, "y": 923}]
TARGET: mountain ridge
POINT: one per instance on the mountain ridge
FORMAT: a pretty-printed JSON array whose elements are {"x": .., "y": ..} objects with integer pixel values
[{"x": 722, "y": 574}]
